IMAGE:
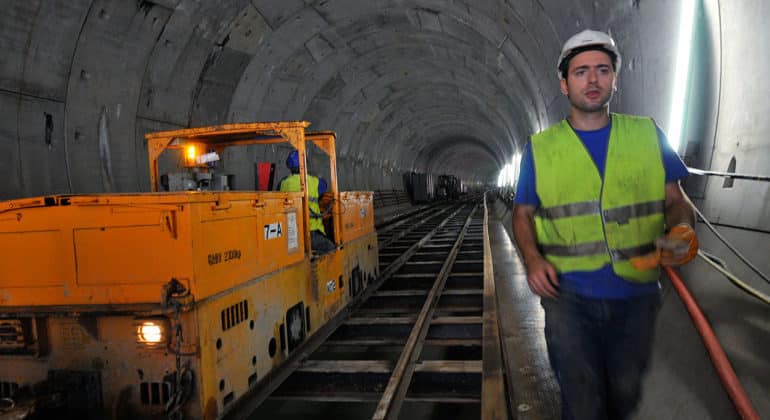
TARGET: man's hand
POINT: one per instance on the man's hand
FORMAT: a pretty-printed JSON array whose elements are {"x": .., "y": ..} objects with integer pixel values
[
  {"x": 541, "y": 275},
  {"x": 542, "y": 278},
  {"x": 679, "y": 246}
]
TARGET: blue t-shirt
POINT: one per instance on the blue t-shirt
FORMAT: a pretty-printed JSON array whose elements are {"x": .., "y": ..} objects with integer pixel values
[
  {"x": 322, "y": 187},
  {"x": 602, "y": 283}
]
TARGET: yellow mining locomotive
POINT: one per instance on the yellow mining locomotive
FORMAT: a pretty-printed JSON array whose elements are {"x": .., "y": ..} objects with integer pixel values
[{"x": 171, "y": 304}]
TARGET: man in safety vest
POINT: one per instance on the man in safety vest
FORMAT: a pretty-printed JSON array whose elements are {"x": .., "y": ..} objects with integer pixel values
[
  {"x": 596, "y": 195},
  {"x": 318, "y": 240}
]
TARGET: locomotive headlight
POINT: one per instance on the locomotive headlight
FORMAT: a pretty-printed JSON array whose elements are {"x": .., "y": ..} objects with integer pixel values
[{"x": 152, "y": 332}]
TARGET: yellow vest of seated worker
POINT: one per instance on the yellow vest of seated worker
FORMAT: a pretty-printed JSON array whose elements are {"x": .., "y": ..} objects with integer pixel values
[{"x": 291, "y": 184}]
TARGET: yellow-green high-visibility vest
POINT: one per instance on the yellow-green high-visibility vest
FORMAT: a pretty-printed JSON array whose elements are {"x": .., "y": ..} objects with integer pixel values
[
  {"x": 585, "y": 222},
  {"x": 291, "y": 183}
]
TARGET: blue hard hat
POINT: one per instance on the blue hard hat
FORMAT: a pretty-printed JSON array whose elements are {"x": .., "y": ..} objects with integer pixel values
[{"x": 292, "y": 162}]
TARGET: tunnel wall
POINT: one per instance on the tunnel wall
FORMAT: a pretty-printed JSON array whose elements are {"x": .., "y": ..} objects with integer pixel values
[
  {"x": 732, "y": 129},
  {"x": 741, "y": 118}
]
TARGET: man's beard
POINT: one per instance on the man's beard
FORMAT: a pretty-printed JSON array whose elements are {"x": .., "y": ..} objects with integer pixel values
[{"x": 584, "y": 106}]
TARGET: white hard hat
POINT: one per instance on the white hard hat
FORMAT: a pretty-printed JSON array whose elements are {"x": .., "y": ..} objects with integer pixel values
[{"x": 588, "y": 38}]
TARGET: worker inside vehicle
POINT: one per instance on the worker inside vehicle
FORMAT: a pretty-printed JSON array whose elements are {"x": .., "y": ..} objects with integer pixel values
[
  {"x": 325, "y": 202},
  {"x": 319, "y": 242}
]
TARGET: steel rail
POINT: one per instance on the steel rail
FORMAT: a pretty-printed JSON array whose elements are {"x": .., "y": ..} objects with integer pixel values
[
  {"x": 420, "y": 222},
  {"x": 245, "y": 405},
  {"x": 325, "y": 369},
  {"x": 393, "y": 397},
  {"x": 494, "y": 401},
  {"x": 399, "y": 262}
]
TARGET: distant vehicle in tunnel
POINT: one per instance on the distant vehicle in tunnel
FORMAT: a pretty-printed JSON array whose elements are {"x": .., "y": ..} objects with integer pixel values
[
  {"x": 448, "y": 187},
  {"x": 170, "y": 303},
  {"x": 420, "y": 187}
]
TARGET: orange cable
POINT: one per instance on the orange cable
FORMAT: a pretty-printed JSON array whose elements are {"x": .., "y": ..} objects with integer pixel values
[{"x": 718, "y": 357}]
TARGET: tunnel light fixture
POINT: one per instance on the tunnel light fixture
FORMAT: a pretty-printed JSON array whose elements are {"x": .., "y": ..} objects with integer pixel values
[
  {"x": 681, "y": 73},
  {"x": 516, "y": 163},
  {"x": 507, "y": 175}
]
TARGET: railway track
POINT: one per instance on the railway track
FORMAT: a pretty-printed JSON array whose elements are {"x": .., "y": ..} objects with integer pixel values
[{"x": 421, "y": 341}]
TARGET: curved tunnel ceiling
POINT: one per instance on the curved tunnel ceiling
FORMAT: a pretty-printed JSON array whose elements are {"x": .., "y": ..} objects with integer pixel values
[
  {"x": 429, "y": 86},
  {"x": 399, "y": 82}
]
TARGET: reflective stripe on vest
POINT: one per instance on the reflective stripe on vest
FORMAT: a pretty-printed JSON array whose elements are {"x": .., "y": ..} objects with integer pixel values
[
  {"x": 594, "y": 248},
  {"x": 619, "y": 214},
  {"x": 585, "y": 222},
  {"x": 291, "y": 184}
]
